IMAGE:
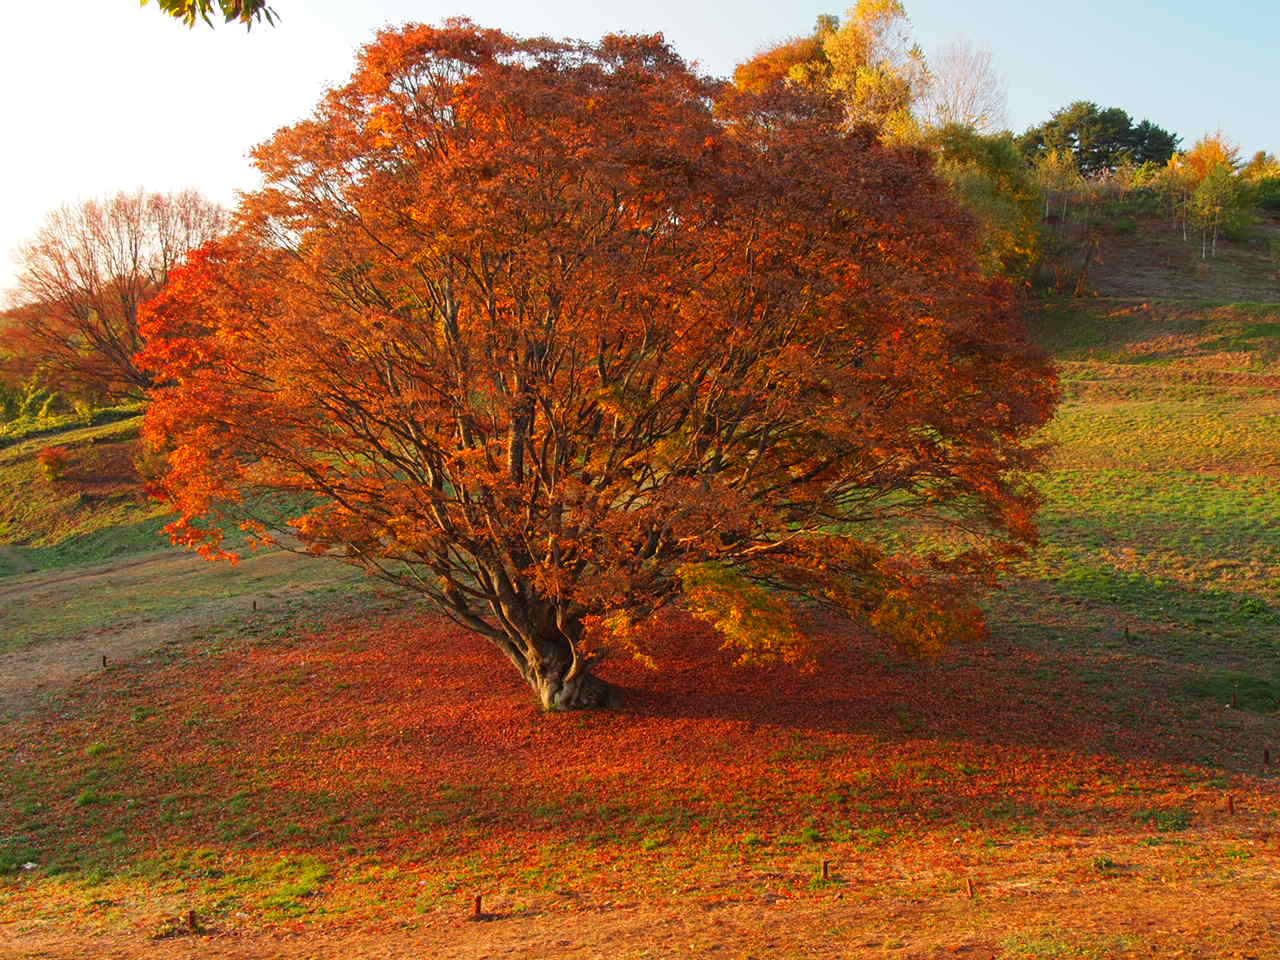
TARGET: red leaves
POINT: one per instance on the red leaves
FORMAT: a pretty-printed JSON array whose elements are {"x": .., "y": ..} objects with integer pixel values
[{"x": 531, "y": 328}]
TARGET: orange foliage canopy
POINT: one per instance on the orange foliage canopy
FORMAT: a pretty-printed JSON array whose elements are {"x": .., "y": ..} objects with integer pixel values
[{"x": 561, "y": 333}]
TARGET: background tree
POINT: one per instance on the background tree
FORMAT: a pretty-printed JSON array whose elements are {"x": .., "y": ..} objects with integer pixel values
[
  {"x": 1208, "y": 154},
  {"x": 245, "y": 11},
  {"x": 1174, "y": 187},
  {"x": 990, "y": 178},
  {"x": 800, "y": 61},
  {"x": 86, "y": 273},
  {"x": 1151, "y": 144},
  {"x": 1059, "y": 180},
  {"x": 1099, "y": 140},
  {"x": 1213, "y": 196},
  {"x": 541, "y": 336},
  {"x": 1262, "y": 165},
  {"x": 1262, "y": 173},
  {"x": 868, "y": 65},
  {"x": 965, "y": 89},
  {"x": 10, "y": 386},
  {"x": 877, "y": 71},
  {"x": 1217, "y": 203}
]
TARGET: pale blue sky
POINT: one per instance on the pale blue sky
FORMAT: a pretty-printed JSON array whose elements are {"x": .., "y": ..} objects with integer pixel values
[{"x": 100, "y": 95}]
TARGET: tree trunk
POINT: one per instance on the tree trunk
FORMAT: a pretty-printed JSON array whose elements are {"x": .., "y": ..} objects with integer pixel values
[
  {"x": 1082, "y": 283},
  {"x": 583, "y": 691},
  {"x": 562, "y": 681}
]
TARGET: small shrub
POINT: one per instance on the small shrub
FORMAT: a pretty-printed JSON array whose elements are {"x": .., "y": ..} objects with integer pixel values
[
  {"x": 1124, "y": 226},
  {"x": 33, "y": 403},
  {"x": 54, "y": 463},
  {"x": 148, "y": 462},
  {"x": 10, "y": 401}
]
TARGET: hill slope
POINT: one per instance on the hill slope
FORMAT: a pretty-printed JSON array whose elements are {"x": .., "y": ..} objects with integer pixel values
[
  {"x": 343, "y": 778},
  {"x": 1148, "y": 257}
]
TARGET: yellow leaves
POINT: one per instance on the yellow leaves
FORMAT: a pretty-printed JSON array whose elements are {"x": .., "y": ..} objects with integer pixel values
[
  {"x": 1211, "y": 152},
  {"x": 924, "y": 616},
  {"x": 748, "y": 616},
  {"x": 868, "y": 65},
  {"x": 673, "y": 449},
  {"x": 612, "y": 401},
  {"x": 623, "y": 630}
]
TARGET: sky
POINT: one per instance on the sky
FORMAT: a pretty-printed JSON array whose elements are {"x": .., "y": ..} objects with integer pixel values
[{"x": 105, "y": 95}]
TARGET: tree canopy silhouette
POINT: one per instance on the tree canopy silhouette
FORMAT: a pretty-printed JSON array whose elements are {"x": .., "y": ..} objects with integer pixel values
[
  {"x": 1099, "y": 140},
  {"x": 83, "y": 278}
]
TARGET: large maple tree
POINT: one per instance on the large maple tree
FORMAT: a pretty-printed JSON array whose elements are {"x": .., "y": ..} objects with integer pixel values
[{"x": 560, "y": 334}]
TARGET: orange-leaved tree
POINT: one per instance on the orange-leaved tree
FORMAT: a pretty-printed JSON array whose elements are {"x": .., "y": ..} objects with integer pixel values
[{"x": 560, "y": 334}]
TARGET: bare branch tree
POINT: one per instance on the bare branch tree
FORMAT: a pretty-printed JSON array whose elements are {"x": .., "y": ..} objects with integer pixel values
[
  {"x": 85, "y": 274},
  {"x": 967, "y": 89}
]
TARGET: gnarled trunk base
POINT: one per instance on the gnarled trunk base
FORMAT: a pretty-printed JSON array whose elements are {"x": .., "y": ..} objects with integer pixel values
[
  {"x": 556, "y": 669},
  {"x": 582, "y": 692}
]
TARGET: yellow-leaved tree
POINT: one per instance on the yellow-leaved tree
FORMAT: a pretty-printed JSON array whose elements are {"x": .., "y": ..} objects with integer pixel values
[{"x": 867, "y": 63}]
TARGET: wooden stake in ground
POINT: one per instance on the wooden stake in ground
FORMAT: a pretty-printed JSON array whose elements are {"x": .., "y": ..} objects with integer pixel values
[
  {"x": 968, "y": 887},
  {"x": 478, "y": 912},
  {"x": 193, "y": 924},
  {"x": 826, "y": 869}
]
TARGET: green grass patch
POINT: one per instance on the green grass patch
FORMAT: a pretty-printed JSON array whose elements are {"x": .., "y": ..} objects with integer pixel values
[
  {"x": 1165, "y": 821},
  {"x": 72, "y": 426},
  {"x": 1260, "y": 694},
  {"x": 1059, "y": 945}
]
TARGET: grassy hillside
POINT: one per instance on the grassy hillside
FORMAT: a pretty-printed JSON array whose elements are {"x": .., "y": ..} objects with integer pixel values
[
  {"x": 98, "y": 510},
  {"x": 1095, "y": 771},
  {"x": 86, "y": 571},
  {"x": 1163, "y": 505}
]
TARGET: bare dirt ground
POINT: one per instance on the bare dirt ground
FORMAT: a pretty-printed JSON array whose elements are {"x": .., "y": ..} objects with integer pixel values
[
  {"x": 1216, "y": 921},
  {"x": 1155, "y": 261}
]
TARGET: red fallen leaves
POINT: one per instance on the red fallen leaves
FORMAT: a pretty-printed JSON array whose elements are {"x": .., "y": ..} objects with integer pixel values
[{"x": 360, "y": 735}]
